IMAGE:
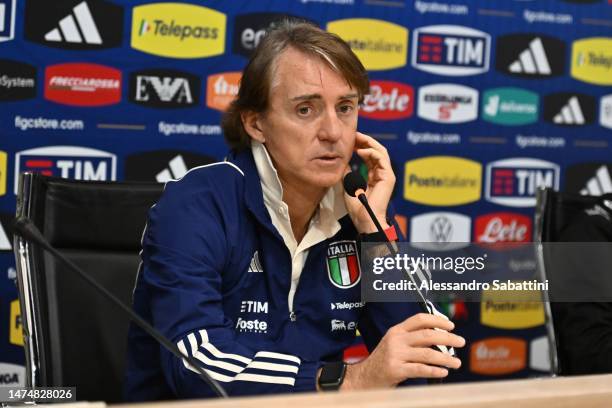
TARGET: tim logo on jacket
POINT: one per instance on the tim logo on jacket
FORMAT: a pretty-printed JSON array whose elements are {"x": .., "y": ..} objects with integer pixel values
[{"x": 343, "y": 264}]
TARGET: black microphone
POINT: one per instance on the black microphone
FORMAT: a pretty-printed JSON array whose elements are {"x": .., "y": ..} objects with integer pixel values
[
  {"x": 355, "y": 186},
  {"x": 26, "y": 229}
]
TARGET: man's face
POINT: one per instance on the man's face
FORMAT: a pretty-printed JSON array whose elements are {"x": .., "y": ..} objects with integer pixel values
[{"x": 309, "y": 127}]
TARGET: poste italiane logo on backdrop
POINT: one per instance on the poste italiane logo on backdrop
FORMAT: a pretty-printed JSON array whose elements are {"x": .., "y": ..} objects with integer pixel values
[
  {"x": 221, "y": 89},
  {"x": 592, "y": 60},
  {"x": 379, "y": 44},
  {"x": 442, "y": 180},
  {"x": 178, "y": 30},
  {"x": 16, "y": 331},
  {"x": 498, "y": 356},
  {"x": 524, "y": 311},
  {"x": 3, "y": 168},
  {"x": 388, "y": 100}
]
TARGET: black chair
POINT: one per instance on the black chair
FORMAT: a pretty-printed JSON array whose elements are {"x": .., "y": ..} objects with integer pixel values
[
  {"x": 553, "y": 214},
  {"x": 74, "y": 336}
]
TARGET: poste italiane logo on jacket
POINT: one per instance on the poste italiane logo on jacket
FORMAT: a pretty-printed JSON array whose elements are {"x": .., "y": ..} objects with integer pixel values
[
  {"x": 343, "y": 264},
  {"x": 379, "y": 44},
  {"x": 178, "y": 30},
  {"x": 592, "y": 60}
]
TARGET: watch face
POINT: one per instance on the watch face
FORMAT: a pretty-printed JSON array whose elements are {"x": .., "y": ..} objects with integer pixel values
[{"x": 332, "y": 375}]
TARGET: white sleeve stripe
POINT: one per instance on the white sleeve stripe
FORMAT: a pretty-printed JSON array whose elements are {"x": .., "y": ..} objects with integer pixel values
[
  {"x": 273, "y": 367},
  {"x": 181, "y": 347},
  {"x": 266, "y": 379},
  {"x": 219, "y": 354},
  {"x": 265, "y": 354},
  {"x": 207, "y": 361},
  {"x": 270, "y": 354},
  {"x": 242, "y": 376}
]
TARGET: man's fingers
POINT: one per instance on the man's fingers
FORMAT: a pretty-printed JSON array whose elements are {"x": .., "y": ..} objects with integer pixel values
[
  {"x": 426, "y": 321},
  {"x": 430, "y": 337},
  {"x": 419, "y": 370},
  {"x": 429, "y": 356}
]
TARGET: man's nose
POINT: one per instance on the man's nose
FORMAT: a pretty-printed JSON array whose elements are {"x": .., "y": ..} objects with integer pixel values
[{"x": 330, "y": 128}]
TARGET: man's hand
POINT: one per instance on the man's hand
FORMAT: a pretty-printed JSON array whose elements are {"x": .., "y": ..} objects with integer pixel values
[
  {"x": 380, "y": 185},
  {"x": 405, "y": 352}
]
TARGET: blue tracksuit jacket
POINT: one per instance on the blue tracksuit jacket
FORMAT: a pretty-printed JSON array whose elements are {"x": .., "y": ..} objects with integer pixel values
[{"x": 214, "y": 279}]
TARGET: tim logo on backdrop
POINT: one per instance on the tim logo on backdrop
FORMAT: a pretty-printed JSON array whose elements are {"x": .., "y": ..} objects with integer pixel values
[
  {"x": 74, "y": 24},
  {"x": 73, "y": 162},
  {"x": 379, "y": 44},
  {"x": 592, "y": 60},
  {"x": 451, "y": 50},
  {"x": 388, "y": 100},
  {"x": 221, "y": 89},
  {"x": 164, "y": 88},
  {"x": 178, "y": 30},
  {"x": 83, "y": 84},
  {"x": 7, "y": 20},
  {"x": 513, "y": 182}
]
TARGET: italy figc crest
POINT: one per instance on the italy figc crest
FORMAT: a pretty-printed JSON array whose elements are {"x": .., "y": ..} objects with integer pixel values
[{"x": 343, "y": 264}]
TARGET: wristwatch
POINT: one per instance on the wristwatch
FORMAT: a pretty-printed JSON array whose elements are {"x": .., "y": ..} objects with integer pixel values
[{"x": 332, "y": 376}]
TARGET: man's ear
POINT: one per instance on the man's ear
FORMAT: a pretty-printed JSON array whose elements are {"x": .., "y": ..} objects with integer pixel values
[{"x": 252, "y": 125}]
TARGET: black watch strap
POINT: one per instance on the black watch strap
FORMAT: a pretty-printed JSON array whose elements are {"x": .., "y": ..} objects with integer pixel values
[{"x": 332, "y": 375}]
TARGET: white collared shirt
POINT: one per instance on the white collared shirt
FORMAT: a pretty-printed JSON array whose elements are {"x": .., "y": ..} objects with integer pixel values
[{"x": 323, "y": 225}]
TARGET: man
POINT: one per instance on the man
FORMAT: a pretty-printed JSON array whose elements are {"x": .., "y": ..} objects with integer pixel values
[{"x": 238, "y": 256}]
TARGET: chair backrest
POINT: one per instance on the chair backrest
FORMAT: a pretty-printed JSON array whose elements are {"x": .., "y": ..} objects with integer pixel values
[
  {"x": 73, "y": 336},
  {"x": 554, "y": 212}
]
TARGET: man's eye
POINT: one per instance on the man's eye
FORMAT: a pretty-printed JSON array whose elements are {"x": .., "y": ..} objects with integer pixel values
[
  {"x": 304, "y": 110},
  {"x": 346, "y": 108}
]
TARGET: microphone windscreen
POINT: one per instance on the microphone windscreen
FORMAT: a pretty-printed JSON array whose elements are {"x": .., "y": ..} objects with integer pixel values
[{"x": 353, "y": 181}]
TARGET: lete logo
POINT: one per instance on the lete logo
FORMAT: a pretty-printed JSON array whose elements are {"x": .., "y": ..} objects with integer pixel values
[
  {"x": 388, "y": 100},
  {"x": 503, "y": 227},
  {"x": 80, "y": 84}
]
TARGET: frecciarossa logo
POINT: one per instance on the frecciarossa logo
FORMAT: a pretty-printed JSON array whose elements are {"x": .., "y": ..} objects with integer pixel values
[
  {"x": 83, "y": 84},
  {"x": 388, "y": 100}
]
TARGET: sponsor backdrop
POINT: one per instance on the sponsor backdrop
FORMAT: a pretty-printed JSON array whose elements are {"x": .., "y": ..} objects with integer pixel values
[{"x": 479, "y": 102}]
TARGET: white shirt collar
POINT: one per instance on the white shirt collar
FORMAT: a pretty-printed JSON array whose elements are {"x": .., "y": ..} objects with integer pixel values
[{"x": 331, "y": 208}]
